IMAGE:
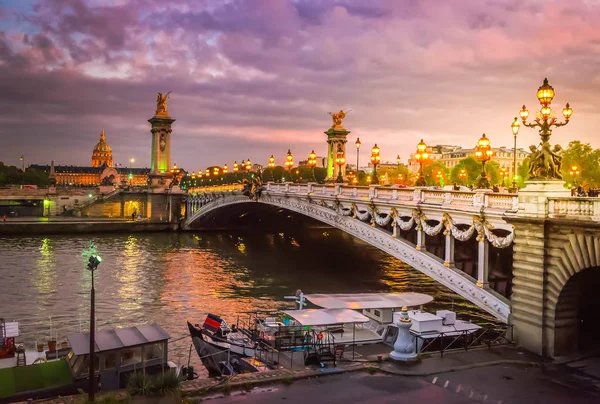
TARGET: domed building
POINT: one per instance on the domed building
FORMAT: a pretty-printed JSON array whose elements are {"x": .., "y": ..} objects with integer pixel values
[
  {"x": 102, "y": 171},
  {"x": 102, "y": 153}
]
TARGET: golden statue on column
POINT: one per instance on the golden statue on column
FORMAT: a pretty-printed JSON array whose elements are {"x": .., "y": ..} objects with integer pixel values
[
  {"x": 161, "y": 104},
  {"x": 337, "y": 119}
]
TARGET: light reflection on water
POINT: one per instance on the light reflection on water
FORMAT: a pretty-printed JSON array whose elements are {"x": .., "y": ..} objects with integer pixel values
[{"x": 169, "y": 278}]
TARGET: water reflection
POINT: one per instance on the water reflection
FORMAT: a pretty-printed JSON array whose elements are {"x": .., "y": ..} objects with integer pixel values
[{"x": 171, "y": 278}]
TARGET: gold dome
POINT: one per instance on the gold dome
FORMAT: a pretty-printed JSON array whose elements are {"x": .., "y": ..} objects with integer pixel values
[{"x": 102, "y": 153}]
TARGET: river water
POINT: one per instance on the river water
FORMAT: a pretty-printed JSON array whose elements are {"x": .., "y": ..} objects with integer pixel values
[{"x": 168, "y": 278}]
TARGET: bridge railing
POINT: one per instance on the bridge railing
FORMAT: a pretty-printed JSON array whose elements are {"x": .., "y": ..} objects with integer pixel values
[
  {"x": 574, "y": 208},
  {"x": 437, "y": 197}
]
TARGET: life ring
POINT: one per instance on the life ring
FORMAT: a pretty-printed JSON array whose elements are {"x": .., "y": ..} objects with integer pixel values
[{"x": 320, "y": 336}]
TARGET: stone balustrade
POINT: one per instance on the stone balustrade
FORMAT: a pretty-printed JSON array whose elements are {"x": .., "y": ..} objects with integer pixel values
[
  {"x": 574, "y": 208},
  {"x": 478, "y": 199}
]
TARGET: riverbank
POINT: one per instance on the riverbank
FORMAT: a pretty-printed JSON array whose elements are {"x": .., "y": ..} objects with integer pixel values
[{"x": 77, "y": 225}]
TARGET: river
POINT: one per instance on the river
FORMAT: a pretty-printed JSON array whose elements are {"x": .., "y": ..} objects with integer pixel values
[{"x": 168, "y": 278}]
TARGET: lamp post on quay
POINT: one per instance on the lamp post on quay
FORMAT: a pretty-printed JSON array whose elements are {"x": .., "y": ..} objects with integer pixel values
[
  {"x": 574, "y": 172},
  {"x": 271, "y": 163},
  {"x": 421, "y": 156},
  {"x": 235, "y": 167},
  {"x": 515, "y": 130},
  {"x": 375, "y": 159},
  {"x": 462, "y": 174},
  {"x": 248, "y": 166},
  {"x": 483, "y": 153},
  {"x": 504, "y": 173},
  {"x": 547, "y": 162},
  {"x": 340, "y": 160},
  {"x": 289, "y": 162},
  {"x": 225, "y": 169},
  {"x": 93, "y": 263},
  {"x": 398, "y": 161},
  {"x": 312, "y": 162},
  {"x": 357, "y": 152}
]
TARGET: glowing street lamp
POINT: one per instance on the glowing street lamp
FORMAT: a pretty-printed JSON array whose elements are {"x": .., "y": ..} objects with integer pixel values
[
  {"x": 289, "y": 161},
  {"x": 92, "y": 265},
  {"x": 398, "y": 161},
  {"x": 504, "y": 173},
  {"x": 462, "y": 174},
  {"x": 547, "y": 165},
  {"x": 357, "y": 152},
  {"x": 439, "y": 176},
  {"x": 225, "y": 169},
  {"x": 248, "y": 165},
  {"x": 369, "y": 179},
  {"x": 375, "y": 159},
  {"x": 421, "y": 156},
  {"x": 574, "y": 172},
  {"x": 515, "y": 130},
  {"x": 271, "y": 164},
  {"x": 208, "y": 172},
  {"x": 312, "y": 163},
  {"x": 235, "y": 167},
  {"x": 483, "y": 153},
  {"x": 340, "y": 160}
]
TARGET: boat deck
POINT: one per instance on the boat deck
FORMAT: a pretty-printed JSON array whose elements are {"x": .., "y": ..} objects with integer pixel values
[{"x": 30, "y": 357}]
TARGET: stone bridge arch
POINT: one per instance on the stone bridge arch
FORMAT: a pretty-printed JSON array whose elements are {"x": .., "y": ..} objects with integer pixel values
[{"x": 421, "y": 260}]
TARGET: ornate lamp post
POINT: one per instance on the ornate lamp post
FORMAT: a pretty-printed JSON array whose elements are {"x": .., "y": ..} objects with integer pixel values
[
  {"x": 421, "y": 156},
  {"x": 225, "y": 169},
  {"x": 289, "y": 162},
  {"x": 355, "y": 180},
  {"x": 400, "y": 178},
  {"x": 369, "y": 179},
  {"x": 375, "y": 159},
  {"x": 248, "y": 165},
  {"x": 312, "y": 162},
  {"x": 398, "y": 161},
  {"x": 357, "y": 152},
  {"x": 235, "y": 167},
  {"x": 545, "y": 163},
  {"x": 271, "y": 164},
  {"x": 483, "y": 153},
  {"x": 340, "y": 160},
  {"x": 504, "y": 173},
  {"x": 93, "y": 263},
  {"x": 515, "y": 130},
  {"x": 439, "y": 176},
  {"x": 462, "y": 174},
  {"x": 574, "y": 172}
]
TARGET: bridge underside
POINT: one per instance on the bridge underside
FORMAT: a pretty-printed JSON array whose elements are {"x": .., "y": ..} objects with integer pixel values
[{"x": 403, "y": 250}]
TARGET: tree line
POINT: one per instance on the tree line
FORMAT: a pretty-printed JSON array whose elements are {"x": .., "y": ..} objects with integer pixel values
[{"x": 12, "y": 175}]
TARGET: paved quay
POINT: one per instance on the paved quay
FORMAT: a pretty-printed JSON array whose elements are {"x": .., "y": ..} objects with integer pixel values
[{"x": 67, "y": 225}]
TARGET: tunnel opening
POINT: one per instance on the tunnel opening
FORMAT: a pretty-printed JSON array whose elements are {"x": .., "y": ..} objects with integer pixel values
[{"x": 577, "y": 314}]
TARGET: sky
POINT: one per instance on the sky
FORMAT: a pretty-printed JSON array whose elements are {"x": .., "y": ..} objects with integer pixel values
[{"x": 258, "y": 77}]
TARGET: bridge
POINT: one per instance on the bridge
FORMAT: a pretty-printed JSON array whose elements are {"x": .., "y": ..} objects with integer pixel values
[{"x": 517, "y": 256}]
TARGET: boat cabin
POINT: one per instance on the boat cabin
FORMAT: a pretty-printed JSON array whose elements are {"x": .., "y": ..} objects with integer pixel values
[
  {"x": 8, "y": 332},
  {"x": 119, "y": 352}
]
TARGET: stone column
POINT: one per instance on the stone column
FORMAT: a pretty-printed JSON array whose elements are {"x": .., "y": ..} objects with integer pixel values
[
  {"x": 160, "y": 176},
  {"x": 420, "y": 237},
  {"x": 482, "y": 261},
  {"x": 404, "y": 346},
  {"x": 449, "y": 253},
  {"x": 336, "y": 136}
]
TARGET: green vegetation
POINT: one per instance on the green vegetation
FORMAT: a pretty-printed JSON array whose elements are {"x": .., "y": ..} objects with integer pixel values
[
  {"x": 287, "y": 380},
  {"x": 473, "y": 168},
  {"x": 162, "y": 384},
  {"x": 11, "y": 175},
  {"x": 587, "y": 159},
  {"x": 371, "y": 370},
  {"x": 109, "y": 398},
  {"x": 34, "y": 377}
]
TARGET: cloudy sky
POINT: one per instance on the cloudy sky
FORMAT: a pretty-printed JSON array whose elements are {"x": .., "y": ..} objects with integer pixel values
[{"x": 256, "y": 77}]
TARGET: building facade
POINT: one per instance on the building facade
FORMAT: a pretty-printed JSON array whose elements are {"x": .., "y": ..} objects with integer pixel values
[{"x": 101, "y": 172}]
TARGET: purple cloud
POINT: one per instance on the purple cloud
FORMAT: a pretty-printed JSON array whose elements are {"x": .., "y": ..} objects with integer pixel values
[{"x": 251, "y": 79}]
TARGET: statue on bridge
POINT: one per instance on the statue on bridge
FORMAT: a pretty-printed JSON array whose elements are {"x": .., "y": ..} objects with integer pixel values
[
  {"x": 161, "y": 104},
  {"x": 253, "y": 186},
  {"x": 338, "y": 118},
  {"x": 546, "y": 162}
]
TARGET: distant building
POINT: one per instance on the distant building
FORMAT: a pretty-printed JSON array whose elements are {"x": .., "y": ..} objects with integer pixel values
[
  {"x": 451, "y": 156},
  {"x": 321, "y": 162},
  {"x": 101, "y": 171}
]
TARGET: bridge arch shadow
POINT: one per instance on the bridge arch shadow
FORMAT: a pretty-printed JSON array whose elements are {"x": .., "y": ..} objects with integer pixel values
[
  {"x": 577, "y": 314},
  {"x": 423, "y": 261}
]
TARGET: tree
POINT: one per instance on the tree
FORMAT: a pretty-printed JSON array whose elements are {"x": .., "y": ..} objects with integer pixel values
[
  {"x": 586, "y": 159},
  {"x": 430, "y": 172},
  {"x": 473, "y": 168}
]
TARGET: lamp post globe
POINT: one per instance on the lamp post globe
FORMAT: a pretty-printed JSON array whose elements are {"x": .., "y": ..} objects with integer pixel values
[
  {"x": 375, "y": 159},
  {"x": 357, "y": 144},
  {"x": 483, "y": 153},
  {"x": 312, "y": 162},
  {"x": 289, "y": 161},
  {"x": 340, "y": 160},
  {"x": 421, "y": 156}
]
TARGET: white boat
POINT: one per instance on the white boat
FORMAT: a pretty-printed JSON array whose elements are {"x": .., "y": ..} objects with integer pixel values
[{"x": 360, "y": 319}]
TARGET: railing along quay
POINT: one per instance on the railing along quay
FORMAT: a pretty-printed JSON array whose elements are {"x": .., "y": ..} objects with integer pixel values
[{"x": 477, "y": 199}]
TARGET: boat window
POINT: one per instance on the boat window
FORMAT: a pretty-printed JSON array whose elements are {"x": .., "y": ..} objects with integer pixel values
[
  {"x": 377, "y": 313},
  {"x": 368, "y": 310},
  {"x": 82, "y": 365},
  {"x": 110, "y": 360},
  {"x": 390, "y": 336},
  {"x": 154, "y": 351},
  {"x": 131, "y": 356}
]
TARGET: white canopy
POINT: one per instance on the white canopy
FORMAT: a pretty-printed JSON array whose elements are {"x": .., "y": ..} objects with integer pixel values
[
  {"x": 357, "y": 301},
  {"x": 326, "y": 316}
]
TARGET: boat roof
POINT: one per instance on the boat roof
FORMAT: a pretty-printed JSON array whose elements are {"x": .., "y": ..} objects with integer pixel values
[
  {"x": 356, "y": 301},
  {"x": 108, "y": 340},
  {"x": 326, "y": 316}
]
